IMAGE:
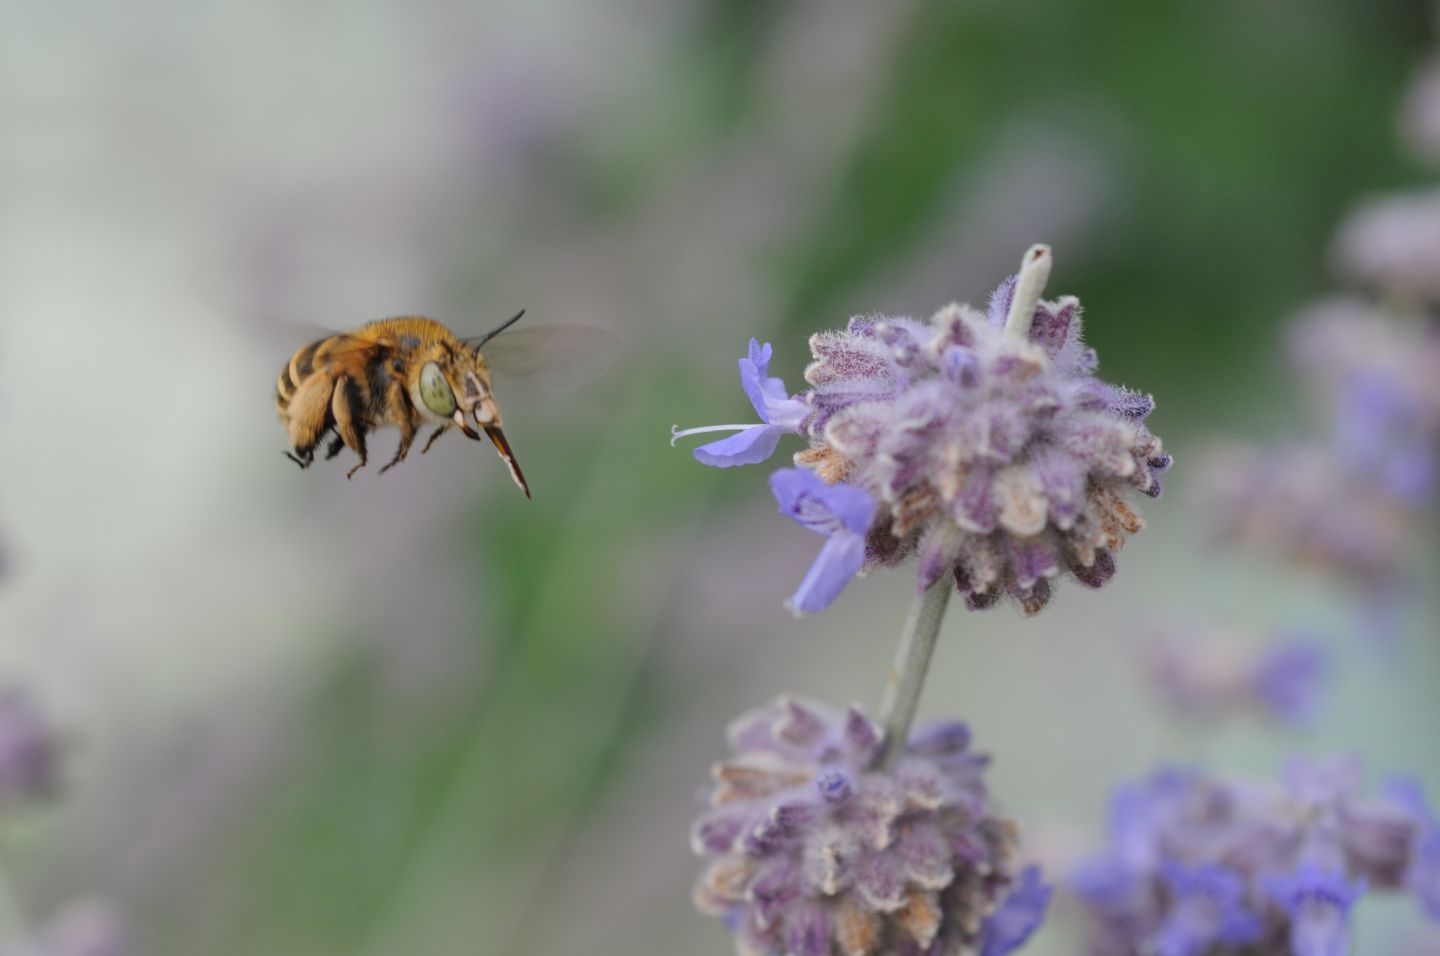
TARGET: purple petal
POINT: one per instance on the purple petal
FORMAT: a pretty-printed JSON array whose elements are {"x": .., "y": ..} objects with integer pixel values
[
  {"x": 1000, "y": 300},
  {"x": 1050, "y": 328},
  {"x": 750, "y": 447},
  {"x": 1017, "y": 918},
  {"x": 826, "y": 509},
  {"x": 839, "y": 561}
]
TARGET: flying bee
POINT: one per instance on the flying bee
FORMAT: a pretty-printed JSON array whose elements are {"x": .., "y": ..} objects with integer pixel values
[{"x": 404, "y": 372}]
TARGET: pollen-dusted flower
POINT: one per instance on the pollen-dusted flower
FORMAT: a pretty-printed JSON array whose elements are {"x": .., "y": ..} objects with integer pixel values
[
  {"x": 30, "y": 750},
  {"x": 1207, "y": 674},
  {"x": 1392, "y": 245},
  {"x": 1199, "y": 865},
  {"x": 779, "y": 414},
  {"x": 990, "y": 447},
  {"x": 813, "y": 852}
]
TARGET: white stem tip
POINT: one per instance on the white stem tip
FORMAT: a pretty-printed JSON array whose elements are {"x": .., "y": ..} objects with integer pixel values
[{"x": 1029, "y": 286}]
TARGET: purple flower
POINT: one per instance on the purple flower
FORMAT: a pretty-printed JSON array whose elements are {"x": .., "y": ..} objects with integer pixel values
[
  {"x": 840, "y": 512},
  {"x": 1393, "y": 245},
  {"x": 1198, "y": 673},
  {"x": 1289, "y": 680},
  {"x": 1420, "y": 117},
  {"x": 1302, "y": 503},
  {"x": 1201, "y": 864},
  {"x": 1423, "y": 877},
  {"x": 1318, "y": 903},
  {"x": 813, "y": 852},
  {"x": 780, "y": 414},
  {"x": 1208, "y": 907},
  {"x": 29, "y": 750},
  {"x": 990, "y": 447},
  {"x": 1376, "y": 376},
  {"x": 1017, "y": 918}
]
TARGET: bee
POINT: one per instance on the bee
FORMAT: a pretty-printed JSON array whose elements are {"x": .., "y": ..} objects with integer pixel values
[{"x": 404, "y": 372}]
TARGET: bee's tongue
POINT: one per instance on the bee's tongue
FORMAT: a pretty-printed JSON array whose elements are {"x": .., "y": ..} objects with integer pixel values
[{"x": 503, "y": 447}]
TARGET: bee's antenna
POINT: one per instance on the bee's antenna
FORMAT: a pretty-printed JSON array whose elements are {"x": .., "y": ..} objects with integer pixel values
[{"x": 495, "y": 331}]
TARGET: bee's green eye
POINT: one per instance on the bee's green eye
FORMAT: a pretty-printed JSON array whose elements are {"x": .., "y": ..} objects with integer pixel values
[{"x": 436, "y": 391}]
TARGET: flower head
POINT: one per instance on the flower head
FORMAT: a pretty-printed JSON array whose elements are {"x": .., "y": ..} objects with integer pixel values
[
  {"x": 1200, "y": 864},
  {"x": 779, "y": 413},
  {"x": 813, "y": 852},
  {"x": 990, "y": 447}
]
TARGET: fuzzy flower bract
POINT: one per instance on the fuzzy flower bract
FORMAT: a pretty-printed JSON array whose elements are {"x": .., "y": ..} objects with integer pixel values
[{"x": 814, "y": 852}]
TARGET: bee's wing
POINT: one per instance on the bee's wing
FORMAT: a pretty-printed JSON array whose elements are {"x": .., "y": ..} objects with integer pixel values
[{"x": 554, "y": 357}]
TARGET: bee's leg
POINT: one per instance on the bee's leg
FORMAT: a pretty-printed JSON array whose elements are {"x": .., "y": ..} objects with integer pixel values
[
  {"x": 337, "y": 444},
  {"x": 404, "y": 417},
  {"x": 434, "y": 435},
  {"x": 345, "y": 406},
  {"x": 308, "y": 417},
  {"x": 302, "y": 462}
]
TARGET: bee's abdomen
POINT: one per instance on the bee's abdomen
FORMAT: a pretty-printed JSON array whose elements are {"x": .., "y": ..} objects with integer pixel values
[{"x": 301, "y": 364}]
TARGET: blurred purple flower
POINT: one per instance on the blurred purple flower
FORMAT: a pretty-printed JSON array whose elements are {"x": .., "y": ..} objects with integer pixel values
[
  {"x": 1424, "y": 875},
  {"x": 780, "y": 414},
  {"x": 992, "y": 449},
  {"x": 1203, "y": 864},
  {"x": 1392, "y": 245},
  {"x": 1197, "y": 673},
  {"x": 1208, "y": 908},
  {"x": 1302, "y": 503},
  {"x": 1378, "y": 376},
  {"x": 1420, "y": 116},
  {"x": 1318, "y": 903},
  {"x": 30, "y": 750},
  {"x": 840, "y": 512},
  {"x": 813, "y": 852}
]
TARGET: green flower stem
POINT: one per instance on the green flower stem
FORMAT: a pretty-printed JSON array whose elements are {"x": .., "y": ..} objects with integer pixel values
[{"x": 912, "y": 663}]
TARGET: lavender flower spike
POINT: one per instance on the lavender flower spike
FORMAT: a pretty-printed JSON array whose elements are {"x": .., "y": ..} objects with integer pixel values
[
  {"x": 813, "y": 851},
  {"x": 990, "y": 447},
  {"x": 780, "y": 414},
  {"x": 840, "y": 512}
]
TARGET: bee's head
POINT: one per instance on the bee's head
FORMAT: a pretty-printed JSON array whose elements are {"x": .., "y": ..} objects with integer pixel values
[{"x": 454, "y": 384}]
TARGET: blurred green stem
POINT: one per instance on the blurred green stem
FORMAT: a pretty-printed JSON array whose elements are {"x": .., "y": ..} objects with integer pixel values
[{"x": 912, "y": 663}]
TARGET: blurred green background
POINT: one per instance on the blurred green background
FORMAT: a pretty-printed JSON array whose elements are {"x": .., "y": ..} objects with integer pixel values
[{"x": 421, "y": 715}]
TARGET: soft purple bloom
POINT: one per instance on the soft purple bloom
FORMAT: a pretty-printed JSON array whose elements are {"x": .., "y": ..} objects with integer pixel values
[
  {"x": 1201, "y": 864},
  {"x": 992, "y": 450},
  {"x": 1318, "y": 903},
  {"x": 1303, "y": 503},
  {"x": 1208, "y": 907},
  {"x": 780, "y": 414},
  {"x": 840, "y": 512},
  {"x": 1393, "y": 245},
  {"x": 1378, "y": 378},
  {"x": 1198, "y": 673},
  {"x": 1017, "y": 918},
  {"x": 813, "y": 852},
  {"x": 1420, "y": 117},
  {"x": 1423, "y": 877},
  {"x": 30, "y": 750},
  {"x": 1289, "y": 680}
]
